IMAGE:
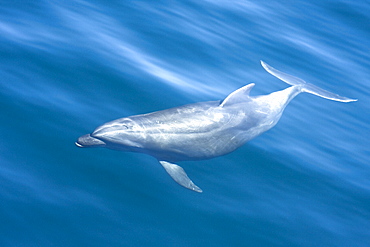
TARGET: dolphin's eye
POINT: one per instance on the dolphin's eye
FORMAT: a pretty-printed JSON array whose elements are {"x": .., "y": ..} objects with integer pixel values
[{"x": 127, "y": 126}]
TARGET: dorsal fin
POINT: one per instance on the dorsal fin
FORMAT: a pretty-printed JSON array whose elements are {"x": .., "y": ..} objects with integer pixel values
[{"x": 239, "y": 95}]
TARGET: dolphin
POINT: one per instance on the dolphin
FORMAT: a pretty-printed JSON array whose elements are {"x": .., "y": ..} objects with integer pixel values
[{"x": 202, "y": 130}]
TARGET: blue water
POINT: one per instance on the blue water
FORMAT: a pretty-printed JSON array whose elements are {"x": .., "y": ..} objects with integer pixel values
[{"x": 68, "y": 66}]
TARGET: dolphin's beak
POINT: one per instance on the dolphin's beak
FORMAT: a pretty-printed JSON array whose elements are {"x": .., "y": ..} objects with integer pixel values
[
  {"x": 79, "y": 145},
  {"x": 89, "y": 141}
]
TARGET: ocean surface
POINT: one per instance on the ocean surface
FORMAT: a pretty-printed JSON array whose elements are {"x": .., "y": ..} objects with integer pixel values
[{"x": 67, "y": 67}]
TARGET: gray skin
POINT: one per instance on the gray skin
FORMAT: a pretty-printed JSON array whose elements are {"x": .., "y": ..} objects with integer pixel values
[{"x": 202, "y": 130}]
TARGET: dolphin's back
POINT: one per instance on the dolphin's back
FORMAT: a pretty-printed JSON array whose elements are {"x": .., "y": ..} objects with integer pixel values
[{"x": 188, "y": 118}]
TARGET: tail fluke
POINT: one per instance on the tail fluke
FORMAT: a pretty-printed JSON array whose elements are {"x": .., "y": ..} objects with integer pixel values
[{"x": 305, "y": 87}]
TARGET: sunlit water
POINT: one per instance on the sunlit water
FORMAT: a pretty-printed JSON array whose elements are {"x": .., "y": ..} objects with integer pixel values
[{"x": 69, "y": 66}]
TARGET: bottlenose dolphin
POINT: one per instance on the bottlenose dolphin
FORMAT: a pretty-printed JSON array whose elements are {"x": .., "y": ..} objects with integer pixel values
[{"x": 202, "y": 130}]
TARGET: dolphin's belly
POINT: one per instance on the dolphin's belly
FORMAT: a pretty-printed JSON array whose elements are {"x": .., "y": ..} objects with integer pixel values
[{"x": 190, "y": 147}]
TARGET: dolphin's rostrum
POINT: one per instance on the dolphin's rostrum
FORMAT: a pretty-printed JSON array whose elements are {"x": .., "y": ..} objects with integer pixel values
[{"x": 202, "y": 130}]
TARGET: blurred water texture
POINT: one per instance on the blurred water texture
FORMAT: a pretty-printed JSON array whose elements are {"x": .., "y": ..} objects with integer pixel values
[{"x": 67, "y": 67}]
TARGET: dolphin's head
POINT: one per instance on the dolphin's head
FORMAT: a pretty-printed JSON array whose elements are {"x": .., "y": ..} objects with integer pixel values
[{"x": 118, "y": 134}]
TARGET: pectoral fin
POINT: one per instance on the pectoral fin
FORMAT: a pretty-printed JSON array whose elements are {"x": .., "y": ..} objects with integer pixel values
[{"x": 179, "y": 175}]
